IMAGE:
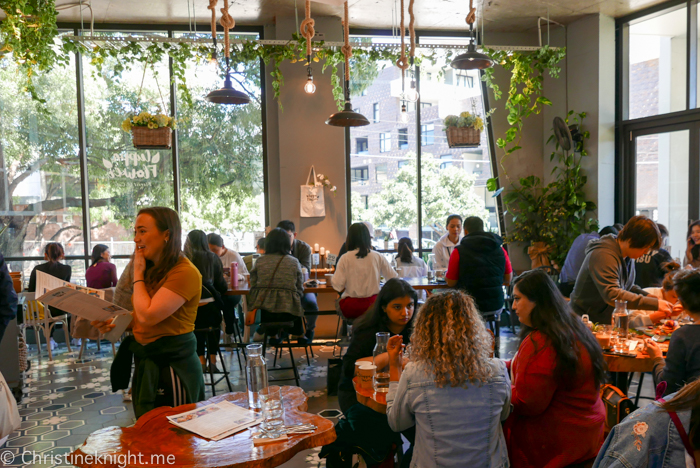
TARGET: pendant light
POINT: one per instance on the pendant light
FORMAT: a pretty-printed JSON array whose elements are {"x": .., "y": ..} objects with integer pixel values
[
  {"x": 347, "y": 117},
  {"x": 472, "y": 60},
  {"x": 227, "y": 94},
  {"x": 403, "y": 116},
  {"x": 308, "y": 32}
]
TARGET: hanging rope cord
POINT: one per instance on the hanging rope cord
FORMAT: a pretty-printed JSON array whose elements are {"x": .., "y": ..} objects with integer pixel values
[
  {"x": 212, "y": 7},
  {"x": 347, "y": 49},
  {"x": 143, "y": 77},
  {"x": 227, "y": 22},
  {"x": 471, "y": 17},
  {"x": 402, "y": 62},
  {"x": 307, "y": 30}
]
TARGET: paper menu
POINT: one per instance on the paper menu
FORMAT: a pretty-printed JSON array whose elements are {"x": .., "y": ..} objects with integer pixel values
[
  {"x": 81, "y": 304},
  {"x": 46, "y": 283},
  {"x": 216, "y": 421}
]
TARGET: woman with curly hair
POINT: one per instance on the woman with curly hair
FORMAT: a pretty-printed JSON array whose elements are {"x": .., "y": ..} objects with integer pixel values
[
  {"x": 558, "y": 415},
  {"x": 452, "y": 390}
]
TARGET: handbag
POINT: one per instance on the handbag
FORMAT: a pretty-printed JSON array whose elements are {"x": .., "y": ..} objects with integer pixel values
[
  {"x": 617, "y": 405},
  {"x": 9, "y": 414},
  {"x": 312, "y": 202},
  {"x": 250, "y": 315}
]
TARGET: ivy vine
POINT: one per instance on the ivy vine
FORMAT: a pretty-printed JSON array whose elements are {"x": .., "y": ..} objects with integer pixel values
[
  {"x": 524, "y": 94},
  {"x": 28, "y": 33}
]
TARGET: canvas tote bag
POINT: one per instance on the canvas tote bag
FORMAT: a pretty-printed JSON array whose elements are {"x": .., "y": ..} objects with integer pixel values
[
  {"x": 312, "y": 204},
  {"x": 9, "y": 415}
]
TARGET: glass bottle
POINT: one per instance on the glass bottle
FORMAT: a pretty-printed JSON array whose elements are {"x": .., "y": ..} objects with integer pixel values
[
  {"x": 256, "y": 374},
  {"x": 381, "y": 377},
  {"x": 621, "y": 319}
]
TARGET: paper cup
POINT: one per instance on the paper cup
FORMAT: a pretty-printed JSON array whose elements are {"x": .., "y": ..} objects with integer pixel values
[
  {"x": 367, "y": 372},
  {"x": 359, "y": 364}
]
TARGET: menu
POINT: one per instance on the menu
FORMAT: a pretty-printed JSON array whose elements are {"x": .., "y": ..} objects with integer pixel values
[
  {"x": 216, "y": 421},
  {"x": 81, "y": 304}
]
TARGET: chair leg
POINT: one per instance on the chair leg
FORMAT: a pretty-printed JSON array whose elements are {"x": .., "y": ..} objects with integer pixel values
[
  {"x": 99, "y": 348},
  {"x": 294, "y": 364},
  {"x": 306, "y": 350},
  {"x": 114, "y": 350},
  {"x": 497, "y": 333},
  {"x": 639, "y": 389},
  {"x": 47, "y": 337},
  {"x": 223, "y": 368},
  {"x": 66, "y": 335},
  {"x": 82, "y": 348}
]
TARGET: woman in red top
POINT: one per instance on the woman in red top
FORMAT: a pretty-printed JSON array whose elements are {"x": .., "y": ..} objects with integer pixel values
[{"x": 557, "y": 417}]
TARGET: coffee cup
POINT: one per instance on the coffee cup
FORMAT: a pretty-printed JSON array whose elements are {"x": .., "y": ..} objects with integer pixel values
[
  {"x": 367, "y": 372},
  {"x": 359, "y": 364}
]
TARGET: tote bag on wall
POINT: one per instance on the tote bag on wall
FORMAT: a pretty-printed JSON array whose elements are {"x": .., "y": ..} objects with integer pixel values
[{"x": 312, "y": 203}]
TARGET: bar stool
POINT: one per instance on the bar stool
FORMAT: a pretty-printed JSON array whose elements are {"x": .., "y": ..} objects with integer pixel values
[
  {"x": 493, "y": 319},
  {"x": 224, "y": 373},
  {"x": 274, "y": 327}
]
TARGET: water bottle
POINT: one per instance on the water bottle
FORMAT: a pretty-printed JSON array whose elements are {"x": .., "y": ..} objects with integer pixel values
[
  {"x": 255, "y": 375},
  {"x": 234, "y": 275},
  {"x": 381, "y": 377},
  {"x": 621, "y": 319}
]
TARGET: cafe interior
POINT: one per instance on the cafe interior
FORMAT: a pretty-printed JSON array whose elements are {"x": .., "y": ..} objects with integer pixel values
[{"x": 449, "y": 233}]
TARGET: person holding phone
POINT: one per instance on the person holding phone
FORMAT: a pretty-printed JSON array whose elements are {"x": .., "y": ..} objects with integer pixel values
[{"x": 692, "y": 251}]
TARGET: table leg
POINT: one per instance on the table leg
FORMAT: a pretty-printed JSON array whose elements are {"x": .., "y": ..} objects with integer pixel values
[{"x": 620, "y": 379}]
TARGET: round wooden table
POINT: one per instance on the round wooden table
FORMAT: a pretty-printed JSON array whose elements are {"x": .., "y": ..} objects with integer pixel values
[
  {"x": 153, "y": 439},
  {"x": 369, "y": 398}
]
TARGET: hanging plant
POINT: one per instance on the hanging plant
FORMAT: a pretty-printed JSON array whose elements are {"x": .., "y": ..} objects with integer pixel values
[
  {"x": 524, "y": 94},
  {"x": 28, "y": 33}
]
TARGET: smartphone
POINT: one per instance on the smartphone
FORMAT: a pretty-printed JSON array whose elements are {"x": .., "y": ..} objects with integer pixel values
[{"x": 120, "y": 324}]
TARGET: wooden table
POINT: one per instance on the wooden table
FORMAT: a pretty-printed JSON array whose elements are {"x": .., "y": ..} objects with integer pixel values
[
  {"x": 624, "y": 365},
  {"x": 243, "y": 287},
  {"x": 153, "y": 436}
]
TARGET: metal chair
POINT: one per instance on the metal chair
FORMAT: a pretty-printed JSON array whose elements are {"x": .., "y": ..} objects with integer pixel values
[
  {"x": 224, "y": 372},
  {"x": 273, "y": 327},
  {"x": 39, "y": 318}
]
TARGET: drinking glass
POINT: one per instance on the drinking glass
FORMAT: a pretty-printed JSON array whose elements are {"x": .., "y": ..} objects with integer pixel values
[{"x": 273, "y": 410}]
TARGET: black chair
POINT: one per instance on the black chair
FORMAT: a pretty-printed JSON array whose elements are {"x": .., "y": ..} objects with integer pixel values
[
  {"x": 638, "y": 393},
  {"x": 237, "y": 346},
  {"x": 271, "y": 329},
  {"x": 493, "y": 320},
  {"x": 224, "y": 373}
]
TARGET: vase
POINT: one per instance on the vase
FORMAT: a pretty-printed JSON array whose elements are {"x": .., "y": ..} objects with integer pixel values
[{"x": 539, "y": 255}]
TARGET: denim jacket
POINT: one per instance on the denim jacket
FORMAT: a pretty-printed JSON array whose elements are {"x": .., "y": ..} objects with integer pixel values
[
  {"x": 455, "y": 426},
  {"x": 646, "y": 438}
]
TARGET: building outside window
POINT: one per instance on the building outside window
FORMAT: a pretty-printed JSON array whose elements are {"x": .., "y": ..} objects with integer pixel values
[
  {"x": 446, "y": 161},
  {"x": 384, "y": 142},
  {"x": 427, "y": 134},
  {"x": 375, "y": 112},
  {"x": 362, "y": 145},
  {"x": 403, "y": 138},
  {"x": 359, "y": 174},
  {"x": 381, "y": 171},
  {"x": 365, "y": 201}
]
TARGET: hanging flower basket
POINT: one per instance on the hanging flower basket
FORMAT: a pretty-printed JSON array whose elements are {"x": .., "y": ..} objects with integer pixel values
[
  {"x": 467, "y": 137},
  {"x": 464, "y": 131},
  {"x": 150, "y": 131},
  {"x": 152, "y": 138}
]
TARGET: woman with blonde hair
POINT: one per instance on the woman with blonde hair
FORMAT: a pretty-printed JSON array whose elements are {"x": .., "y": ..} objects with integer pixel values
[{"x": 452, "y": 390}]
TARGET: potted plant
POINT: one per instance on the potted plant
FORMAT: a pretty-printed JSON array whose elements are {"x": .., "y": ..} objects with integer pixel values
[
  {"x": 150, "y": 131},
  {"x": 463, "y": 131}
]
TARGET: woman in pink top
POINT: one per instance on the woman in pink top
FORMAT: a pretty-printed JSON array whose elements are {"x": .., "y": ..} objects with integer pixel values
[{"x": 102, "y": 273}]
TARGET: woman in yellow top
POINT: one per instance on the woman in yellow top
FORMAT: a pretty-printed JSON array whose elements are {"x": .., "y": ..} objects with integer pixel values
[{"x": 166, "y": 293}]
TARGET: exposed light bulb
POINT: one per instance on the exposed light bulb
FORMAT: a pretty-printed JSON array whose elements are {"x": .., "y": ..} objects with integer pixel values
[
  {"x": 404, "y": 113},
  {"x": 309, "y": 87},
  {"x": 412, "y": 93}
]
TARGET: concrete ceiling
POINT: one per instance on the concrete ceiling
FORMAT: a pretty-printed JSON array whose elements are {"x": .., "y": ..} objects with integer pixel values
[{"x": 499, "y": 15}]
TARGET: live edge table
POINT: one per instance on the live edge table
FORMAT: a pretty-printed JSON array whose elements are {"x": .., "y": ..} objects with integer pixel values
[{"x": 155, "y": 441}]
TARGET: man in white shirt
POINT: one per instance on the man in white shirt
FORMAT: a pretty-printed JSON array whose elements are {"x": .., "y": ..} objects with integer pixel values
[
  {"x": 216, "y": 245},
  {"x": 447, "y": 243}
]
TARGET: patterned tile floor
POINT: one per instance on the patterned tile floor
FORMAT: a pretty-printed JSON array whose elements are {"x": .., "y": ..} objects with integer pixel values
[{"x": 67, "y": 399}]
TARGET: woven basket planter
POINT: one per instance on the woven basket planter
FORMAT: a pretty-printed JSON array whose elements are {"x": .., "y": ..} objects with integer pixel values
[
  {"x": 463, "y": 137},
  {"x": 152, "y": 138}
]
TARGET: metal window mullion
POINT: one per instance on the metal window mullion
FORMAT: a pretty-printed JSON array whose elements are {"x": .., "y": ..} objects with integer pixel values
[
  {"x": 176, "y": 148},
  {"x": 694, "y": 174},
  {"x": 692, "y": 55},
  {"x": 419, "y": 154},
  {"x": 82, "y": 143}
]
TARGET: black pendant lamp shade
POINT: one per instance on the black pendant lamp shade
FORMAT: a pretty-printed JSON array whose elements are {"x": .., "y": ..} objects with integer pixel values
[
  {"x": 472, "y": 60},
  {"x": 227, "y": 94},
  {"x": 347, "y": 118}
]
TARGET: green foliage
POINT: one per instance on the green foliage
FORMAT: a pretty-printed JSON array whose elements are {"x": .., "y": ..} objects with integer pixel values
[
  {"x": 464, "y": 120},
  {"x": 558, "y": 212},
  {"x": 27, "y": 34},
  {"x": 525, "y": 92},
  {"x": 445, "y": 191}
]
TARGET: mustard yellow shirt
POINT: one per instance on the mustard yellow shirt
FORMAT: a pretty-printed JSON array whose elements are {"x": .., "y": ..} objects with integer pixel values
[{"x": 184, "y": 280}]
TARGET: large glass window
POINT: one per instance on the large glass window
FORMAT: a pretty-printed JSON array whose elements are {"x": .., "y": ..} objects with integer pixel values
[
  {"x": 657, "y": 64},
  {"x": 123, "y": 179},
  {"x": 40, "y": 191},
  {"x": 450, "y": 182},
  {"x": 453, "y": 179},
  {"x": 221, "y": 157}
]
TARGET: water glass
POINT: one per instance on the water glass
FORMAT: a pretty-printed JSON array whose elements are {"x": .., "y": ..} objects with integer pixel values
[
  {"x": 431, "y": 275},
  {"x": 272, "y": 408}
]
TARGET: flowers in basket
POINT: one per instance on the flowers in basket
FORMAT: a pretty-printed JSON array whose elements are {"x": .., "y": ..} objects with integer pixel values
[
  {"x": 327, "y": 183},
  {"x": 464, "y": 120},
  {"x": 146, "y": 119}
]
